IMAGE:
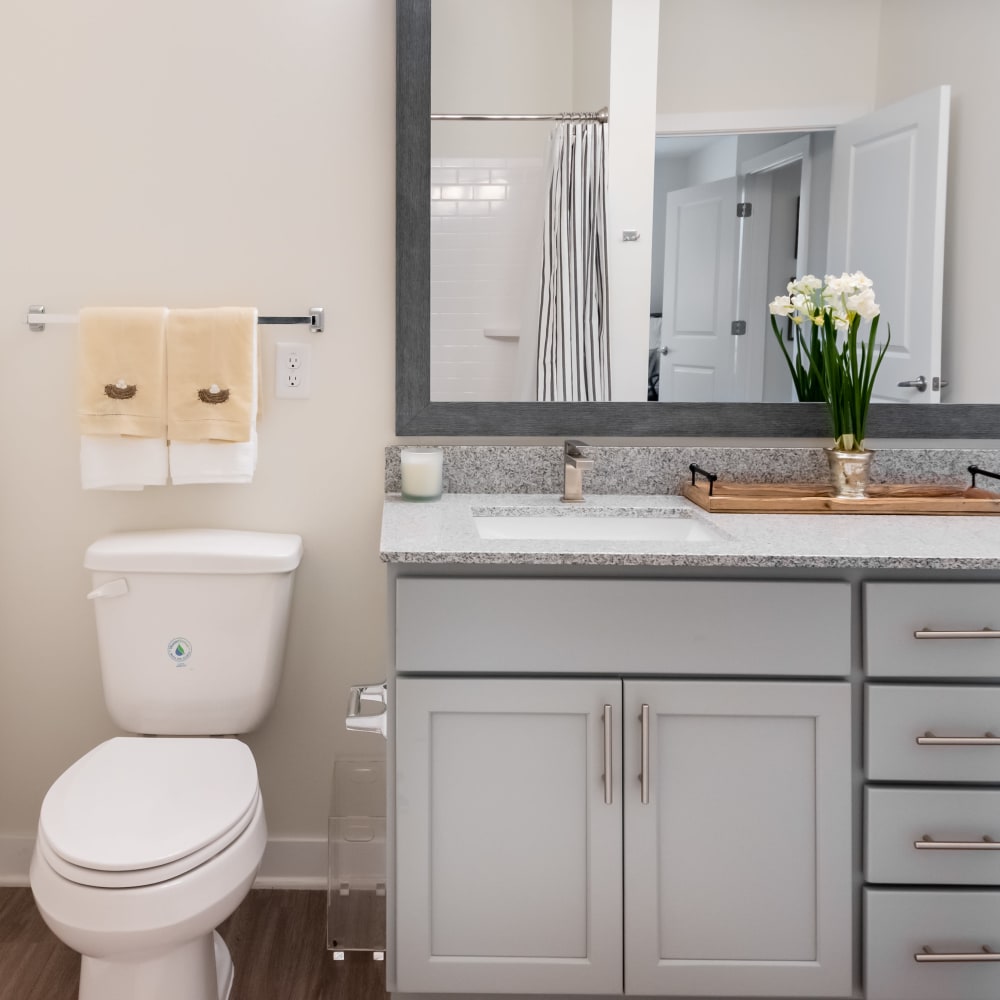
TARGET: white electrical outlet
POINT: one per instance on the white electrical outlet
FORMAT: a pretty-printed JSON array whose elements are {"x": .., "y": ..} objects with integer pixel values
[{"x": 291, "y": 370}]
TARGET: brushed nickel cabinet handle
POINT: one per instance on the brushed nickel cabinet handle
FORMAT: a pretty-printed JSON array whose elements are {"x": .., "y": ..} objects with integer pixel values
[
  {"x": 984, "y": 955},
  {"x": 927, "y": 843},
  {"x": 607, "y": 755},
  {"x": 644, "y": 765},
  {"x": 984, "y": 633},
  {"x": 986, "y": 740}
]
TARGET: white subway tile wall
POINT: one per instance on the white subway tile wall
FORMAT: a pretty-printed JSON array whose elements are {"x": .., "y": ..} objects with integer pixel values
[{"x": 484, "y": 213}]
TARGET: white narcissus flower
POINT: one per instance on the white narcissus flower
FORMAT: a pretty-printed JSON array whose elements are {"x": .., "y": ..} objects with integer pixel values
[
  {"x": 837, "y": 286},
  {"x": 805, "y": 285},
  {"x": 842, "y": 298},
  {"x": 864, "y": 304}
]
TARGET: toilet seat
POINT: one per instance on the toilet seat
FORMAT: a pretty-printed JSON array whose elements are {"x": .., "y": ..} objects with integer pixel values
[{"x": 136, "y": 811}]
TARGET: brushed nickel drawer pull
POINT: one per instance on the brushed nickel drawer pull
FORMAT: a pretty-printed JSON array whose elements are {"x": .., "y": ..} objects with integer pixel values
[
  {"x": 644, "y": 764},
  {"x": 986, "y": 740},
  {"x": 927, "y": 843},
  {"x": 607, "y": 755},
  {"x": 986, "y": 955},
  {"x": 984, "y": 633}
]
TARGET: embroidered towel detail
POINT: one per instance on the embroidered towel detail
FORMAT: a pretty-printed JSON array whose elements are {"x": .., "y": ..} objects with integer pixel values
[
  {"x": 206, "y": 349},
  {"x": 120, "y": 390},
  {"x": 213, "y": 394},
  {"x": 121, "y": 376}
]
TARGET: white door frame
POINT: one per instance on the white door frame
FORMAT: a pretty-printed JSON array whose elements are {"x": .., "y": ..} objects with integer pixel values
[{"x": 752, "y": 251}]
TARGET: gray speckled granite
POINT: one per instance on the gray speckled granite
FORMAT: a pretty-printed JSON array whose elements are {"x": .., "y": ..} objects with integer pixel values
[
  {"x": 641, "y": 482},
  {"x": 445, "y": 532},
  {"x": 661, "y": 470}
]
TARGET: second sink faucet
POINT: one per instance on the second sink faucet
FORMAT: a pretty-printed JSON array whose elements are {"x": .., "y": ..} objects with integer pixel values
[{"x": 574, "y": 465}]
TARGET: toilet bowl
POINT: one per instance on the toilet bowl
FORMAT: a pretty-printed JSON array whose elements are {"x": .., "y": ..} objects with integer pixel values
[
  {"x": 147, "y": 843},
  {"x": 144, "y": 847}
]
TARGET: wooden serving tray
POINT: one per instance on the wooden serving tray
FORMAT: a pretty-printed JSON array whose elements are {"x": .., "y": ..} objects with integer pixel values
[{"x": 814, "y": 498}]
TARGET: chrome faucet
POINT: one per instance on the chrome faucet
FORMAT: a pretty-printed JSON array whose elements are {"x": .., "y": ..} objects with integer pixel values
[{"x": 574, "y": 465}]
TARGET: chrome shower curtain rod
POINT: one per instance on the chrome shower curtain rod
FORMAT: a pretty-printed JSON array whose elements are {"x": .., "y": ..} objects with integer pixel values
[{"x": 566, "y": 116}]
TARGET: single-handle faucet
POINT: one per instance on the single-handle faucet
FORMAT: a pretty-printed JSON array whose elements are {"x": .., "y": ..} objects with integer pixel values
[{"x": 574, "y": 465}]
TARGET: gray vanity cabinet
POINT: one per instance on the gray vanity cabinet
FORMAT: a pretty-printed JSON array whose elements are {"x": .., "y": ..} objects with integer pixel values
[
  {"x": 613, "y": 832},
  {"x": 508, "y": 852},
  {"x": 932, "y": 802},
  {"x": 738, "y": 857}
]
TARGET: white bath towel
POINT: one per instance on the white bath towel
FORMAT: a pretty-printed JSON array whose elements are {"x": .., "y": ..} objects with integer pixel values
[
  {"x": 219, "y": 461},
  {"x": 113, "y": 462}
]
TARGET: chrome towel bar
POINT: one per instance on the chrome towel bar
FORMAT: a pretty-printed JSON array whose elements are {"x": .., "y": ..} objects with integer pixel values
[{"x": 37, "y": 319}]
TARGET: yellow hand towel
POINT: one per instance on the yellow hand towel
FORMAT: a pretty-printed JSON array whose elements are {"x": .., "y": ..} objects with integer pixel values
[
  {"x": 210, "y": 373},
  {"x": 121, "y": 371}
]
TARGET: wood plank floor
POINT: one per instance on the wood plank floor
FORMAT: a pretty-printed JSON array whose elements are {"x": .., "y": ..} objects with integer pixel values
[{"x": 277, "y": 938}]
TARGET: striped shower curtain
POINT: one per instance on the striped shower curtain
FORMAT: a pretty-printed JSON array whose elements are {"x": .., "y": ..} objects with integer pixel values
[{"x": 573, "y": 360}]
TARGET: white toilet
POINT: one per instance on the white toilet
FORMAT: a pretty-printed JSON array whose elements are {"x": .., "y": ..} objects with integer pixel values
[{"x": 146, "y": 845}]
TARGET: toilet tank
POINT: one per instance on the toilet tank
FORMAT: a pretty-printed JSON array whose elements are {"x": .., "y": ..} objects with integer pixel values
[{"x": 191, "y": 626}]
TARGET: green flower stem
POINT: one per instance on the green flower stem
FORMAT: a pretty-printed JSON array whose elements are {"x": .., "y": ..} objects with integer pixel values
[{"x": 847, "y": 379}]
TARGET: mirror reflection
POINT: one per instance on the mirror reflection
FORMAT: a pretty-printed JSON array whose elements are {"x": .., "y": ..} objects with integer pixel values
[
  {"x": 727, "y": 229},
  {"x": 520, "y": 274}
]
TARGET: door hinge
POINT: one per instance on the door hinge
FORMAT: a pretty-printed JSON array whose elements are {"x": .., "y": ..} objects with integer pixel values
[
  {"x": 744, "y": 209},
  {"x": 738, "y": 328}
]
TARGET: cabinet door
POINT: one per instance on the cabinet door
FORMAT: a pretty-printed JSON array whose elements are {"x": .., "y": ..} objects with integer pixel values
[
  {"x": 738, "y": 869},
  {"x": 508, "y": 856}
]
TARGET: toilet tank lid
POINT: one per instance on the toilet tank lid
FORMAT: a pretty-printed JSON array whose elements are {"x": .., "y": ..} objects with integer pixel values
[{"x": 195, "y": 550}]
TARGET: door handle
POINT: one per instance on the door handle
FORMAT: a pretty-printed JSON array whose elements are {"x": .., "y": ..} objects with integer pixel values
[
  {"x": 986, "y": 740},
  {"x": 607, "y": 755},
  {"x": 984, "y": 633},
  {"x": 644, "y": 755},
  {"x": 927, "y": 843},
  {"x": 919, "y": 383},
  {"x": 983, "y": 955}
]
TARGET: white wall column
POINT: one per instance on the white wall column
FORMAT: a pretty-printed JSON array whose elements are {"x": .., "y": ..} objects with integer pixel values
[{"x": 631, "y": 161}]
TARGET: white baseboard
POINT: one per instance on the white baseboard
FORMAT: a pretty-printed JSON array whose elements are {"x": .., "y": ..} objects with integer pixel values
[
  {"x": 293, "y": 864},
  {"x": 288, "y": 863}
]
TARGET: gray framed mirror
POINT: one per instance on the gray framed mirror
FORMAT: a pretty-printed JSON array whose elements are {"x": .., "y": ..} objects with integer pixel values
[{"x": 418, "y": 414}]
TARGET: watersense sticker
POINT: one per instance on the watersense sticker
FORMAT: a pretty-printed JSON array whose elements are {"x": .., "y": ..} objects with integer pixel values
[{"x": 179, "y": 650}]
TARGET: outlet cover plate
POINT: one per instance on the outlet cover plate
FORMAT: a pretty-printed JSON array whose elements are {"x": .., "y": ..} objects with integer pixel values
[{"x": 292, "y": 365}]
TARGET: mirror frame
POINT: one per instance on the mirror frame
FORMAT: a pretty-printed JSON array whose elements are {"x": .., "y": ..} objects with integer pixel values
[{"x": 417, "y": 414}]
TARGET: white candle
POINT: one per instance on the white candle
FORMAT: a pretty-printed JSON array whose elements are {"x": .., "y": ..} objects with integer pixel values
[{"x": 421, "y": 473}]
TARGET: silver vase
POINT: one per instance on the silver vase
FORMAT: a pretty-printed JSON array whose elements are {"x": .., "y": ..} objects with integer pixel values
[{"x": 849, "y": 472}]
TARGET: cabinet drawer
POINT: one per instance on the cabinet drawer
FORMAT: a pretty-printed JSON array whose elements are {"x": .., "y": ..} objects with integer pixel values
[
  {"x": 763, "y": 628},
  {"x": 901, "y": 923},
  {"x": 957, "y": 821},
  {"x": 897, "y": 613},
  {"x": 897, "y": 716}
]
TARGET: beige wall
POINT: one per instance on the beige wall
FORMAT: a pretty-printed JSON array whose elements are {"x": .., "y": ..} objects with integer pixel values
[
  {"x": 731, "y": 55},
  {"x": 195, "y": 154},
  {"x": 231, "y": 153}
]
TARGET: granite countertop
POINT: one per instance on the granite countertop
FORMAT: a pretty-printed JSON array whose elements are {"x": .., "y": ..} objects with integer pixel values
[{"x": 444, "y": 531}]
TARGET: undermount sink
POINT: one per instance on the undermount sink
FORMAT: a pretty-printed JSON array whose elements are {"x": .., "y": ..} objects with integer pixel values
[{"x": 628, "y": 526}]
